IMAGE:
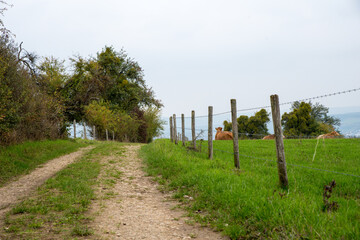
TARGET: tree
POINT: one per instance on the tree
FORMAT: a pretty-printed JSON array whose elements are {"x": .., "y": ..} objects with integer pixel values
[
  {"x": 26, "y": 111},
  {"x": 154, "y": 123},
  {"x": 115, "y": 79},
  {"x": 100, "y": 115},
  {"x": 257, "y": 125},
  {"x": 107, "y": 91},
  {"x": 251, "y": 127},
  {"x": 307, "y": 119},
  {"x": 111, "y": 76},
  {"x": 52, "y": 75}
]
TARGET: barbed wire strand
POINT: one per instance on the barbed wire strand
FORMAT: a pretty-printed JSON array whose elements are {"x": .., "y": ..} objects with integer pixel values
[
  {"x": 257, "y": 134},
  {"x": 285, "y": 103}
]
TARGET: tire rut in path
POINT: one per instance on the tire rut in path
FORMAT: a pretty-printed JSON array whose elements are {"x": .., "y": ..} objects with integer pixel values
[
  {"x": 16, "y": 191},
  {"x": 138, "y": 210}
]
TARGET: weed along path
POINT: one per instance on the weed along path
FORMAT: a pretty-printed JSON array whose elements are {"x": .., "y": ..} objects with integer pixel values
[
  {"x": 132, "y": 207},
  {"x": 14, "y": 192}
]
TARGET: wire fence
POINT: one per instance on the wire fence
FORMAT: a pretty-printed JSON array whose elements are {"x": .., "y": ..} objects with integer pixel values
[
  {"x": 289, "y": 164},
  {"x": 260, "y": 136},
  {"x": 274, "y": 161},
  {"x": 284, "y": 103},
  {"x": 255, "y": 135}
]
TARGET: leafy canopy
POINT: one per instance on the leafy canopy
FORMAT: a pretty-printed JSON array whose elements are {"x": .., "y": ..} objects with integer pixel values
[
  {"x": 251, "y": 127},
  {"x": 112, "y": 77},
  {"x": 307, "y": 119}
]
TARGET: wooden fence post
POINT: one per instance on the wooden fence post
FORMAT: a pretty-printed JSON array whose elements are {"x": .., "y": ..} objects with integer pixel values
[
  {"x": 84, "y": 131},
  {"x": 175, "y": 130},
  {"x": 275, "y": 109},
  {"x": 183, "y": 129},
  {"x": 210, "y": 133},
  {"x": 113, "y": 135},
  {"x": 107, "y": 135},
  {"x": 94, "y": 133},
  {"x": 193, "y": 129},
  {"x": 235, "y": 133},
  {"x": 74, "y": 128},
  {"x": 171, "y": 129}
]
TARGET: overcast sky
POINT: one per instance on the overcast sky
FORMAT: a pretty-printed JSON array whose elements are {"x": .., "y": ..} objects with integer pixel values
[{"x": 202, "y": 53}]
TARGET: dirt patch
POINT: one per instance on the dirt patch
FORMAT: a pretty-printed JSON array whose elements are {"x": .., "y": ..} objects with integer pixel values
[
  {"x": 16, "y": 191},
  {"x": 134, "y": 208}
]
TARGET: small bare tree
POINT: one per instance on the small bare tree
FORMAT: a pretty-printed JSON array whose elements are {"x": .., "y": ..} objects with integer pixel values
[
  {"x": 4, "y": 31},
  {"x": 200, "y": 134}
]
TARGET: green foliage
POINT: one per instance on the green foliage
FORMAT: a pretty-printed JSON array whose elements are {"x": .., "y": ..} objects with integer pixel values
[
  {"x": 307, "y": 119},
  {"x": 109, "y": 92},
  {"x": 52, "y": 75},
  {"x": 102, "y": 117},
  {"x": 9, "y": 90},
  {"x": 320, "y": 113},
  {"x": 227, "y": 126},
  {"x": 36, "y": 102},
  {"x": 142, "y": 127},
  {"x": 154, "y": 123},
  {"x": 26, "y": 111},
  {"x": 111, "y": 76},
  {"x": 251, "y": 127}
]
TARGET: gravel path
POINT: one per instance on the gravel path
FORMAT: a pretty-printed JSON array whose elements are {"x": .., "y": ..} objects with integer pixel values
[
  {"x": 14, "y": 192},
  {"x": 138, "y": 210}
]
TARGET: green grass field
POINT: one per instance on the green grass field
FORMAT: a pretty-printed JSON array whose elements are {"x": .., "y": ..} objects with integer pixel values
[
  {"x": 250, "y": 203},
  {"x": 22, "y": 158}
]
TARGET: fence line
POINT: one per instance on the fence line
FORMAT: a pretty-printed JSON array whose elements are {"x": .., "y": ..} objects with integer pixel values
[
  {"x": 289, "y": 164},
  {"x": 275, "y": 111},
  {"x": 260, "y": 135}
]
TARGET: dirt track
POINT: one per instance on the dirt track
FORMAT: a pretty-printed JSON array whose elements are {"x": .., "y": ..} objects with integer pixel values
[
  {"x": 139, "y": 210},
  {"x": 131, "y": 208}
]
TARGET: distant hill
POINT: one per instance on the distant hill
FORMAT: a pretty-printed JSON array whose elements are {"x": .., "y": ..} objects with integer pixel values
[{"x": 350, "y": 123}]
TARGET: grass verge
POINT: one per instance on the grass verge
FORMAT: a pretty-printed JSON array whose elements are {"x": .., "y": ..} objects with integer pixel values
[
  {"x": 58, "y": 210},
  {"x": 250, "y": 203},
  {"x": 20, "y": 159}
]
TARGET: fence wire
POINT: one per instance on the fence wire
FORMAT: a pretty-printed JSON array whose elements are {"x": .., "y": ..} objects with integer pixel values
[
  {"x": 282, "y": 104},
  {"x": 289, "y": 137}
]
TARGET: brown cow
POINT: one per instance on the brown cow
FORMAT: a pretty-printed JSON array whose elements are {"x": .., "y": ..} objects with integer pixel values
[
  {"x": 269, "y": 137},
  {"x": 223, "y": 135},
  {"x": 333, "y": 134}
]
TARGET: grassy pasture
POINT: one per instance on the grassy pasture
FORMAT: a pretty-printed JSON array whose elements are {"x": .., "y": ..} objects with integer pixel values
[{"x": 250, "y": 203}]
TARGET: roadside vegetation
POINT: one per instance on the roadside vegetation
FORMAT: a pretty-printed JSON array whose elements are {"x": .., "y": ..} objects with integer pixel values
[
  {"x": 40, "y": 97},
  {"x": 249, "y": 203},
  {"x": 22, "y": 158},
  {"x": 59, "y": 209}
]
